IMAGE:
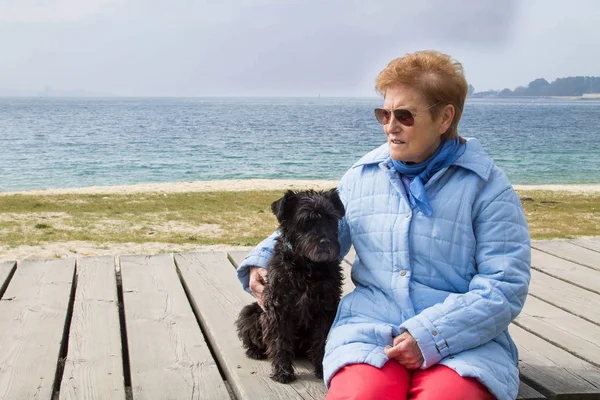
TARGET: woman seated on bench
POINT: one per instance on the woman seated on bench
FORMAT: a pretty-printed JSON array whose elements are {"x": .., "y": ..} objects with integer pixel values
[{"x": 442, "y": 247}]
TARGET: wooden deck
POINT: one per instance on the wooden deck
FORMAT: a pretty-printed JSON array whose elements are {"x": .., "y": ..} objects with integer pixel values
[{"x": 161, "y": 327}]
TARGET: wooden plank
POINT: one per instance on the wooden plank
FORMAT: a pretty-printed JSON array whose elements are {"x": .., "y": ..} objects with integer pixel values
[
  {"x": 588, "y": 243},
  {"x": 569, "y": 252},
  {"x": 347, "y": 267},
  {"x": 567, "y": 331},
  {"x": 218, "y": 297},
  {"x": 6, "y": 269},
  {"x": 553, "y": 371},
  {"x": 237, "y": 257},
  {"x": 565, "y": 270},
  {"x": 348, "y": 285},
  {"x": 94, "y": 364},
  {"x": 526, "y": 392},
  {"x": 573, "y": 299},
  {"x": 350, "y": 256},
  {"x": 33, "y": 312},
  {"x": 168, "y": 356}
]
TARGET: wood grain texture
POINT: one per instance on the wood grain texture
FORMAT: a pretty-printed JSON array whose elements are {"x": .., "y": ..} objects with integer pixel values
[
  {"x": 526, "y": 392},
  {"x": 588, "y": 243},
  {"x": 218, "y": 297},
  {"x": 347, "y": 267},
  {"x": 554, "y": 371},
  {"x": 351, "y": 256},
  {"x": 570, "y": 252},
  {"x": 33, "y": 313},
  {"x": 94, "y": 364},
  {"x": 169, "y": 358},
  {"x": 237, "y": 257},
  {"x": 566, "y": 270},
  {"x": 567, "y": 331},
  {"x": 575, "y": 300},
  {"x": 6, "y": 268}
]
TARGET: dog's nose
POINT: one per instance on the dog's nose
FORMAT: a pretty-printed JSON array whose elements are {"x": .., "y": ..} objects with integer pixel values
[{"x": 324, "y": 241}]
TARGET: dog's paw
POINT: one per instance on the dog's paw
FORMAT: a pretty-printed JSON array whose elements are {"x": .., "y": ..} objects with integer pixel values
[
  {"x": 256, "y": 354},
  {"x": 283, "y": 377}
]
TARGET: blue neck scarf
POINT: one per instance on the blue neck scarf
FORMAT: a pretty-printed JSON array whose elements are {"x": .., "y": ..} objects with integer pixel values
[{"x": 448, "y": 152}]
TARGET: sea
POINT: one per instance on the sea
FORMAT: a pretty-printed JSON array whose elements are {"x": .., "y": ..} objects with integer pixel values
[{"x": 78, "y": 142}]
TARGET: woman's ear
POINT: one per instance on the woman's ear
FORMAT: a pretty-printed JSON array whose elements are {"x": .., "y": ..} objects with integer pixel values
[{"x": 446, "y": 118}]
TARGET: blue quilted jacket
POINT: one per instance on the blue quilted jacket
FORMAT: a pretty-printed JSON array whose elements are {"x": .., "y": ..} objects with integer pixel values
[{"x": 454, "y": 280}]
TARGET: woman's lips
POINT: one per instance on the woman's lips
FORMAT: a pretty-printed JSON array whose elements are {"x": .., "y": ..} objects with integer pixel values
[{"x": 397, "y": 141}]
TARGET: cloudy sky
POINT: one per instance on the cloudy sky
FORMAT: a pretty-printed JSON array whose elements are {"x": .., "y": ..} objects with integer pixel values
[{"x": 283, "y": 47}]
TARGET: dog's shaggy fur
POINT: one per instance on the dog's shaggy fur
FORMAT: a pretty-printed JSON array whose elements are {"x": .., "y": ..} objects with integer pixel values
[{"x": 303, "y": 288}]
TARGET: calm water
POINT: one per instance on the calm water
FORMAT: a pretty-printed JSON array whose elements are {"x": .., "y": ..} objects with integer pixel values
[{"x": 49, "y": 143}]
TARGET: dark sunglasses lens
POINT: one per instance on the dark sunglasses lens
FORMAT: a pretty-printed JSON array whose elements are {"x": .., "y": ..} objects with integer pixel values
[
  {"x": 404, "y": 117},
  {"x": 383, "y": 116}
]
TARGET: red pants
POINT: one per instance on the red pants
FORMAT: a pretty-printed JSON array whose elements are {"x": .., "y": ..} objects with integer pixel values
[{"x": 394, "y": 382}]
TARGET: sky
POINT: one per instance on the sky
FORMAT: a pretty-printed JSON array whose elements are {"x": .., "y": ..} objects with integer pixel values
[{"x": 283, "y": 47}]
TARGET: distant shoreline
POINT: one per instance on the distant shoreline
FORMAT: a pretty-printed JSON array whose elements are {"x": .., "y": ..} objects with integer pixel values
[
  {"x": 250, "y": 184},
  {"x": 587, "y": 98}
]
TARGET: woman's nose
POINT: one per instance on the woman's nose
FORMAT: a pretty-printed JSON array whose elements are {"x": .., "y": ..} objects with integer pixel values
[{"x": 394, "y": 125}]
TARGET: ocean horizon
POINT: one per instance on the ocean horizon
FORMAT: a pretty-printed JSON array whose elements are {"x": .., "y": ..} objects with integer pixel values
[{"x": 52, "y": 142}]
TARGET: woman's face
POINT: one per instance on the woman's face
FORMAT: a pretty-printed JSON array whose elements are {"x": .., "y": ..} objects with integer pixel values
[{"x": 418, "y": 142}]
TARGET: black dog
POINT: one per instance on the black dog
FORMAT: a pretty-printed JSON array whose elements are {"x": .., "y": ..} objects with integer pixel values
[{"x": 303, "y": 288}]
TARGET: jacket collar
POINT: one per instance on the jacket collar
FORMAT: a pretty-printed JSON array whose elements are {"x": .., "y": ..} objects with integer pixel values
[{"x": 474, "y": 158}]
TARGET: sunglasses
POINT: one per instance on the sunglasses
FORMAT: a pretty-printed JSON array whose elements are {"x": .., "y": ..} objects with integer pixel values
[{"x": 403, "y": 116}]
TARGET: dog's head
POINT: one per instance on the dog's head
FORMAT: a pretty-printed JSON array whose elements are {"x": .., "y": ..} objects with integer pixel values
[{"x": 308, "y": 220}]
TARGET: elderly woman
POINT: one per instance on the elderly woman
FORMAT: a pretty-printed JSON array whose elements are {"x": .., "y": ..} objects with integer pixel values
[{"x": 443, "y": 254}]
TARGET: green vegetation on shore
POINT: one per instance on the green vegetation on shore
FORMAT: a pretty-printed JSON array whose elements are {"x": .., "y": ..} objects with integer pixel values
[
  {"x": 229, "y": 218},
  {"x": 566, "y": 215},
  {"x": 570, "y": 86}
]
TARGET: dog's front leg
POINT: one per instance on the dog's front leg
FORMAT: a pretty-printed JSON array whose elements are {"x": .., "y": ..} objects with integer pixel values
[
  {"x": 279, "y": 333},
  {"x": 316, "y": 351}
]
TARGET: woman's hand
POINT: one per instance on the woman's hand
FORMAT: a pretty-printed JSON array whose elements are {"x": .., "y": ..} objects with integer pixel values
[
  {"x": 406, "y": 351},
  {"x": 258, "y": 277}
]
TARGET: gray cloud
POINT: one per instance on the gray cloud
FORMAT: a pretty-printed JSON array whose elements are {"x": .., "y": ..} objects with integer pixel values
[
  {"x": 259, "y": 47},
  {"x": 52, "y": 10}
]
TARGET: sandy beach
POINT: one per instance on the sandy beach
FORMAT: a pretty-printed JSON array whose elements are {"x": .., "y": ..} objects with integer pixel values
[
  {"x": 87, "y": 249},
  {"x": 250, "y": 184},
  {"x": 575, "y": 188},
  {"x": 182, "y": 187},
  {"x": 82, "y": 248}
]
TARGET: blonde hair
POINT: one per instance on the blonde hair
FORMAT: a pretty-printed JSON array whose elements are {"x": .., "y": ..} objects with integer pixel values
[{"x": 436, "y": 75}]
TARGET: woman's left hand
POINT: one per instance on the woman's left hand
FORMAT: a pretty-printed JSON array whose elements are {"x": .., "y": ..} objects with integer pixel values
[{"x": 406, "y": 351}]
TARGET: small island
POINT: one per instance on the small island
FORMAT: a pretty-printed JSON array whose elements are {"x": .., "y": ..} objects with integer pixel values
[{"x": 573, "y": 87}]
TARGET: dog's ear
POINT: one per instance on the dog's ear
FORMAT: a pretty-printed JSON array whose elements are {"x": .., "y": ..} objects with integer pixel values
[
  {"x": 285, "y": 206},
  {"x": 337, "y": 203}
]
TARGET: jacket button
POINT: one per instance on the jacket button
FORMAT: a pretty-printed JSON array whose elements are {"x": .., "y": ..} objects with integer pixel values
[
  {"x": 403, "y": 272},
  {"x": 434, "y": 333},
  {"x": 408, "y": 215}
]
